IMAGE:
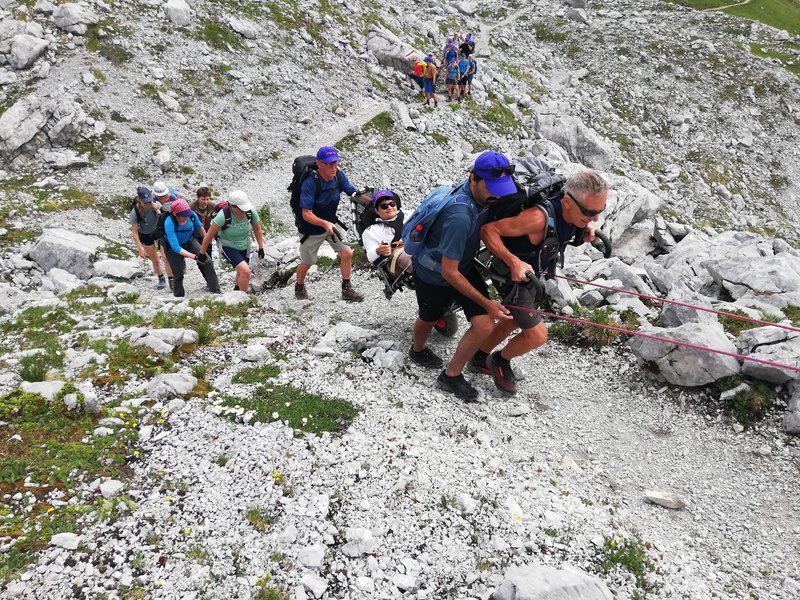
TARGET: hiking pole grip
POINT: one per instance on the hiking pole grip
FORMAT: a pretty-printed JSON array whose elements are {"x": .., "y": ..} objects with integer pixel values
[{"x": 602, "y": 243}]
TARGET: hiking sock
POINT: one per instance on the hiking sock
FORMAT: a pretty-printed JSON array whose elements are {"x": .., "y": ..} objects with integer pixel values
[
  {"x": 480, "y": 357},
  {"x": 345, "y": 283},
  {"x": 235, "y": 287},
  {"x": 498, "y": 359}
]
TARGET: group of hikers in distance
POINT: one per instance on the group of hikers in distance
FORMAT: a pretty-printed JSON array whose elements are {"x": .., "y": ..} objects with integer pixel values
[
  {"x": 458, "y": 64},
  {"x": 437, "y": 246}
]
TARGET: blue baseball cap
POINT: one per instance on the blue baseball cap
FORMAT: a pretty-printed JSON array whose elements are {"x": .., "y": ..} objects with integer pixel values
[
  {"x": 327, "y": 154},
  {"x": 496, "y": 170},
  {"x": 144, "y": 194},
  {"x": 382, "y": 194}
]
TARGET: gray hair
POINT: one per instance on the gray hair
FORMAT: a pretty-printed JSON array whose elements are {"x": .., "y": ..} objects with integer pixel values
[{"x": 586, "y": 183}]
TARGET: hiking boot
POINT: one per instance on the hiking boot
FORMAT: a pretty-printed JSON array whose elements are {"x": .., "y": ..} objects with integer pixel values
[
  {"x": 162, "y": 282},
  {"x": 300, "y": 292},
  {"x": 502, "y": 373},
  {"x": 477, "y": 364},
  {"x": 349, "y": 294},
  {"x": 425, "y": 358},
  {"x": 458, "y": 386},
  {"x": 171, "y": 284}
]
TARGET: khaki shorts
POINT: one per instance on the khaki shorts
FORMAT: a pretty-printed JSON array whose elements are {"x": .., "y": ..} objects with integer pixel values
[{"x": 310, "y": 248}]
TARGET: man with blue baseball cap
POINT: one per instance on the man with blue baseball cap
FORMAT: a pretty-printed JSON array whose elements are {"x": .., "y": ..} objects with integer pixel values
[
  {"x": 444, "y": 272},
  {"x": 319, "y": 202}
]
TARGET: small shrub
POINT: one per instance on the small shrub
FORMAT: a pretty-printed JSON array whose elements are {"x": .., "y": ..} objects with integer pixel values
[
  {"x": 137, "y": 174},
  {"x": 630, "y": 554},
  {"x": 33, "y": 367},
  {"x": 752, "y": 404},
  {"x": 256, "y": 374},
  {"x": 222, "y": 460},
  {"x": 12, "y": 469},
  {"x": 269, "y": 227},
  {"x": 218, "y": 35},
  {"x": 206, "y": 333},
  {"x": 261, "y": 518}
]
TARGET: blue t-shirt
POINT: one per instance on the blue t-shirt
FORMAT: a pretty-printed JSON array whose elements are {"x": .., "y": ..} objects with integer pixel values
[
  {"x": 463, "y": 67},
  {"x": 326, "y": 204},
  {"x": 455, "y": 233},
  {"x": 177, "y": 235},
  {"x": 452, "y": 71}
]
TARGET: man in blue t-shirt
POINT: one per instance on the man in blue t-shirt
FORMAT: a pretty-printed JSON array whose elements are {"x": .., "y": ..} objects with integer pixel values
[
  {"x": 319, "y": 213},
  {"x": 444, "y": 273}
]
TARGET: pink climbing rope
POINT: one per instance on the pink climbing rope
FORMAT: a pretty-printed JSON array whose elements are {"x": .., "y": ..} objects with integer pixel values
[
  {"x": 656, "y": 337},
  {"x": 684, "y": 304}
]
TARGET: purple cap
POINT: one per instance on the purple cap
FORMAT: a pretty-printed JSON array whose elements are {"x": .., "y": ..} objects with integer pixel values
[
  {"x": 489, "y": 167},
  {"x": 382, "y": 194},
  {"x": 144, "y": 194},
  {"x": 327, "y": 154},
  {"x": 428, "y": 59}
]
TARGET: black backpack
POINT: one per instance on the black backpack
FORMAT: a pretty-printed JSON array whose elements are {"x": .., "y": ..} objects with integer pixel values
[
  {"x": 163, "y": 213},
  {"x": 302, "y": 167},
  {"x": 135, "y": 208}
]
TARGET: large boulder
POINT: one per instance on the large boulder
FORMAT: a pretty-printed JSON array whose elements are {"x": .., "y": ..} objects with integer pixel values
[
  {"x": 543, "y": 582},
  {"x": 246, "y": 29},
  {"x": 74, "y": 17},
  {"x": 686, "y": 366},
  {"x": 170, "y": 385},
  {"x": 784, "y": 353},
  {"x": 178, "y": 12},
  {"x": 628, "y": 204},
  {"x": 124, "y": 269},
  {"x": 582, "y": 142},
  {"x": 11, "y": 297},
  {"x": 791, "y": 419},
  {"x": 36, "y": 122},
  {"x": 25, "y": 49},
  {"x": 163, "y": 341},
  {"x": 9, "y": 28},
  {"x": 73, "y": 252},
  {"x": 763, "y": 275},
  {"x": 391, "y": 51}
]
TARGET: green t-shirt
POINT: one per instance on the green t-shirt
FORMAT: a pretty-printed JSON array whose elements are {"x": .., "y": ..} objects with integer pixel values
[{"x": 237, "y": 235}]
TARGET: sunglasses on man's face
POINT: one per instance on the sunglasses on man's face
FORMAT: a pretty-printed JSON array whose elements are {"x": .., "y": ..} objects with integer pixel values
[
  {"x": 502, "y": 171},
  {"x": 386, "y": 205},
  {"x": 585, "y": 211}
]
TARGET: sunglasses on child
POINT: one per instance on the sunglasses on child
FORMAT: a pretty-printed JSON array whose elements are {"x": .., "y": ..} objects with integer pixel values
[
  {"x": 585, "y": 211},
  {"x": 385, "y": 205}
]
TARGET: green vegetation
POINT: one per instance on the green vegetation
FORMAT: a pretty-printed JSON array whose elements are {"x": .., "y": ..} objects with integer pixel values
[
  {"x": 218, "y": 35},
  {"x": 629, "y": 554},
  {"x": 270, "y": 227},
  {"x": 793, "y": 314},
  {"x": 43, "y": 441},
  {"x": 302, "y": 410},
  {"x": 222, "y": 460},
  {"x": 261, "y": 518},
  {"x": 748, "y": 405},
  {"x": 105, "y": 46},
  {"x": 789, "y": 61},
  {"x": 571, "y": 333},
  {"x": 137, "y": 174},
  {"x": 550, "y": 31},
  {"x": 439, "y": 138},
  {"x": 736, "y": 326},
  {"x": 781, "y": 14},
  {"x": 256, "y": 374}
]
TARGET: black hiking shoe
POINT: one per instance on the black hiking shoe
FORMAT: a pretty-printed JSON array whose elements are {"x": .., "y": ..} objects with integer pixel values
[
  {"x": 458, "y": 386},
  {"x": 162, "y": 283},
  {"x": 300, "y": 292},
  {"x": 425, "y": 358},
  {"x": 170, "y": 282},
  {"x": 502, "y": 373},
  {"x": 477, "y": 364}
]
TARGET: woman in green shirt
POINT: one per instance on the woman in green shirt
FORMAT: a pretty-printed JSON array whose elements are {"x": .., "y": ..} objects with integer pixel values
[{"x": 232, "y": 225}]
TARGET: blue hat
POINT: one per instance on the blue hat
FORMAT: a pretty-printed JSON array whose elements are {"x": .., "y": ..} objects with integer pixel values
[
  {"x": 428, "y": 59},
  {"x": 496, "y": 170},
  {"x": 382, "y": 194},
  {"x": 144, "y": 194},
  {"x": 327, "y": 154}
]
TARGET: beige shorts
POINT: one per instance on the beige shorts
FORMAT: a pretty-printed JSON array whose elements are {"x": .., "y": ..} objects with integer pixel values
[{"x": 310, "y": 248}]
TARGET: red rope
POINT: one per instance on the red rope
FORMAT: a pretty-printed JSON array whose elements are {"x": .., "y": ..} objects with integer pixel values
[
  {"x": 684, "y": 304},
  {"x": 655, "y": 337}
]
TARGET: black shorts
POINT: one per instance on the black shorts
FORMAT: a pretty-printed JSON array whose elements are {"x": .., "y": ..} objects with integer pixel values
[
  {"x": 146, "y": 239},
  {"x": 463, "y": 80},
  {"x": 450, "y": 81},
  {"x": 524, "y": 297},
  {"x": 434, "y": 300}
]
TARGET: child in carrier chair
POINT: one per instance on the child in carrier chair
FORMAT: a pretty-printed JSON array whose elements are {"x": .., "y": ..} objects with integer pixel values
[{"x": 382, "y": 239}]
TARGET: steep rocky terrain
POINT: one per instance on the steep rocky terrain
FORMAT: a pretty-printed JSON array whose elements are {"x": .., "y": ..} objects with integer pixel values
[{"x": 252, "y": 446}]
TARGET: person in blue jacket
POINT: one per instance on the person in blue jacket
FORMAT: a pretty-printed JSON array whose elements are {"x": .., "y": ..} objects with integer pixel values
[{"x": 181, "y": 229}]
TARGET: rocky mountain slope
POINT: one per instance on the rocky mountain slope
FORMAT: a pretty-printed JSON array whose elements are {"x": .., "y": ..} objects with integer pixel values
[{"x": 249, "y": 447}]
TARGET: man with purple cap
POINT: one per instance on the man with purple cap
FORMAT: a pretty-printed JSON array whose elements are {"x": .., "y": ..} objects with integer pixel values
[
  {"x": 444, "y": 272},
  {"x": 319, "y": 202}
]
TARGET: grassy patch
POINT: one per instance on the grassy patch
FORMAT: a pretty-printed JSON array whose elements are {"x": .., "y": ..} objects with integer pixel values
[
  {"x": 550, "y": 31},
  {"x": 105, "y": 46},
  {"x": 270, "y": 227},
  {"x": 736, "y": 326},
  {"x": 69, "y": 199},
  {"x": 781, "y": 14},
  {"x": 571, "y": 333},
  {"x": 218, "y": 35},
  {"x": 298, "y": 408},
  {"x": 749, "y": 405},
  {"x": 261, "y": 518},
  {"x": 439, "y": 138},
  {"x": 117, "y": 207},
  {"x": 256, "y": 374},
  {"x": 628, "y": 554},
  {"x": 126, "y": 360},
  {"x": 789, "y": 61}
]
